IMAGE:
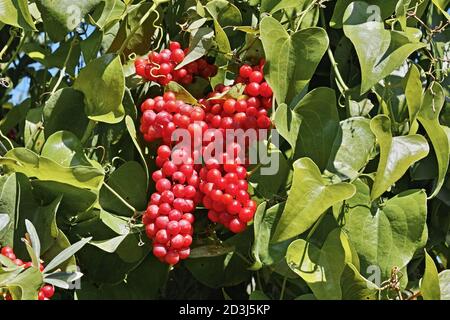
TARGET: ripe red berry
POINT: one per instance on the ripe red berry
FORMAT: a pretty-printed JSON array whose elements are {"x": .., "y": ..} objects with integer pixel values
[
  {"x": 252, "y": 89},
  {"x": 177, "y": 55},
  {"x": 48, "y": 291},
  {"x": 245, "y": 71},
  {"x": 256, "y": 76}
]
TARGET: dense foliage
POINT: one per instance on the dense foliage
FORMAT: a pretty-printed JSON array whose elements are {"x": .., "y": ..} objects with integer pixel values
[{"x": 358, "y": 92}]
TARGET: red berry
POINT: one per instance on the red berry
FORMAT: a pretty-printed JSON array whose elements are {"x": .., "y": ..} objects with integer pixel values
[
  {"x": 252, "y": 89},
  {"x": 237, "y": 226},
  {"x": 48, "y": 291},
  {"x": 256, "y": 76},
  {"x": 172, "y": 257},
  {"x": 245, "y": 71},
  {"x": 177, "y": 55}
]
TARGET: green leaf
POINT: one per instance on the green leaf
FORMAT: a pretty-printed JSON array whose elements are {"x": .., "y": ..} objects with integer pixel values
[
  {"x": 36, "y": 244},
  {"x": 132, "y": 132},
  {"x": 389, "y": 234},
  {"x": 140, "y": 42},
  {"x": 288, "y": 74},
  {"x": 32, "y": 165},
  {"x": 223, "y": 56},
  {"x": 181, "y": 93},
  {"x": 429, "y": 286},
  {"x": 312, "y": 126},
  {"x": 66, "y": 254},
  {"x": 355, "y": 286},
  {"x": 225, "y": 12},
  {"x": 14, "y": 116},
  {"x": 210, "y": 251},
  {"x": 33, "y": 134},
  {"x": 91, "y": 45},
  {"x": 413, "y": 92},
  {"x": 103, "y": 84},
  {"x": 258, "y": 295},
  {"x": 273, "y": 170},
  {"x": 320, "y": 268},
  {"x": 4, "y": 220},
  {"x": 107, "y": 13},
  {"x": 142, "y": 283},
  {"x": 65, "y": 104},
  {"x": 26, "y": 285},
  {"x": 264, "y": 223},
  {"x": 397, "y": 154},
  {"x": 308, "y": 199},
  {"x": 353, "y": 147},
  {"x": 65, "y": 148},
  {"x": 109, "y": 245},
  {"x": 289, "y": 4},
  {"x": 428, "y": 117},
  {"x": 62, "y": 279},
  {"x": 383, "y": 10},
  {"x": 129, "y": 182},
  {"x": 199, "y": 43},
  {"x": 444, "y": 283},
  {"x": 74, "y": 200},
  {"x": 16, "y": 13},
  {"x": 379, "y": 51},
  {"x": 63, "y": 16},
  {"x": 442, "y": 5}
]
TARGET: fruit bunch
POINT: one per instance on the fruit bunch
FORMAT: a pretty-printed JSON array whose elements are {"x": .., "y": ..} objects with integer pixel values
[
  {"x": 191, "y": 174},
  {"x": 45, "y": 293},
  {"x": 161, "y": 67}
]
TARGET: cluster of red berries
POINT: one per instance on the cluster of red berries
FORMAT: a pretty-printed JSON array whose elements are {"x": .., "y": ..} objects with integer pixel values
[
  {"x": 188, "y": 177},
  {"x": 46, "y": 292},
  {"x": 161, "y": 67}
]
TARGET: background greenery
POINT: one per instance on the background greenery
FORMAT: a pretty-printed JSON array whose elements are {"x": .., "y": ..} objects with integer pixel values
[{"x": 362, "y": 105}]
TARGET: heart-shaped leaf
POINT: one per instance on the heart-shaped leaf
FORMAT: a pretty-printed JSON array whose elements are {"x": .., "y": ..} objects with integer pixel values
[
  {"x": 312, "y": 126},
  {"x": 428, "y": 117},
  {"x": 397, "y": 154},
  {"x": 386, "y": 235},
  {"x": 309, "y": 198},
  {"x": 290, "y": 72},
  {"x": 379, "y": 51},
  {"x": 103, "y": 83},
  {"x": 353, "y": 147},
  {"x": 429, "y": 286}
]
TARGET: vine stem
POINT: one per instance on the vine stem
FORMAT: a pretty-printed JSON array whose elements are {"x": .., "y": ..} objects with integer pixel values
[
  {"x": 90, "y": 128},
  {"x": 283, "y": 288},
  {"x": 10, "y": 40},
  {"x": 62, "y": 73},
  {"x": 14, "y": 56},
  {"x": 129, "y": 206},
  {"x": 334, "y": 64},
  {"x": 136, "y": 28}
]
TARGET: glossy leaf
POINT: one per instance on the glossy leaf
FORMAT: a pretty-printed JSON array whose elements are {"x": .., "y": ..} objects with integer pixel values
[
  {"x": 353, "y": 147},
  {"x": 428, "y": 117},
  {"x": 309, "y": 198},
  {"x": 444, "y": 283},
  {"x": 29, "y": 163},
  {"x": 379, "y": 51},
  {"x": 225, "y": 12},
  {"x": 397, "y": 154},
  {"x": 103, "y": 84},
  {"x": 65, "y": 104},
  {"x": 429, "y": 286},
  {"x": 312, "y": 126},
  {"x": 17, "y": 14},
  {"x": 385, "y": 235},
  {"x": 62, "y": 16},
  {"x": 288, "y": 74},
  {"x": 380, "y": 9}
]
